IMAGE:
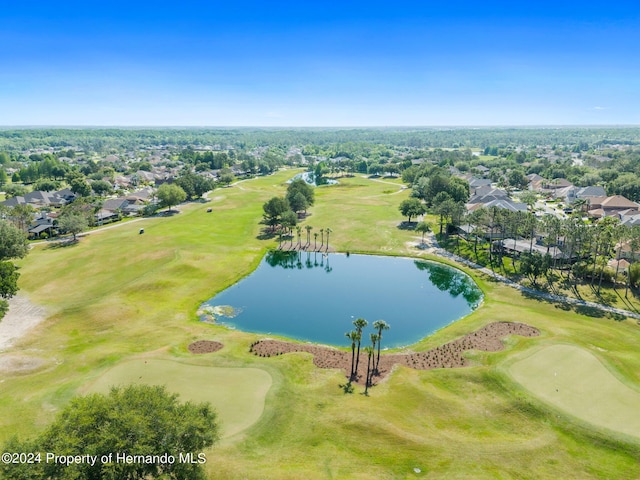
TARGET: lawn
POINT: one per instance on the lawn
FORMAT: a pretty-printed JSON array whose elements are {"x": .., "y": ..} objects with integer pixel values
[
  {"x": 574, "y": 380},
  {"x": 237, "y": 394},
  {"x": 117, "y": 295}
]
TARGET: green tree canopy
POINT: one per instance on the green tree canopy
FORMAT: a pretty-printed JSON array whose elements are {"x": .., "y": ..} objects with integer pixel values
[
  {"x": 274, "y": 208},
  {"x": 138, "y": 420},
  {"x": 101, "y": 187},
  {"x": 298, "y": 202},
  {"x": 423, "y": 227},
  {"x": 8, "y": 280},
  {"x": 13, "y": 242},
  {"x": 73, "y": 223},
  {"x": 300, "y": 186},
  {"x": 80, "y": 187},
  {"x": 171, "y": 194},
  {"x": 194, "y": 185},
  {"x": 412, "y": 207}
]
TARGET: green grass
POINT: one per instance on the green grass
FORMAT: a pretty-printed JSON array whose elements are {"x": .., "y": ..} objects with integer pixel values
[
  {"x": 237, "y": 394},
  {"x": 117, "y": 295},
  {"x": 574, "y": 380}
]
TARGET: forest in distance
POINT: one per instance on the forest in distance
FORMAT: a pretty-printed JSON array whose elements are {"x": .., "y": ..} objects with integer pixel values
[{"x": 104, "y": 140}]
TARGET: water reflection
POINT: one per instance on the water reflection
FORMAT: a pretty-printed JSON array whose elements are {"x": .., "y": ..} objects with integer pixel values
[
  {"x": 291, "y": 293},
  {"x": 447, "y": 279},
  {"x": 298, "y": 259}
]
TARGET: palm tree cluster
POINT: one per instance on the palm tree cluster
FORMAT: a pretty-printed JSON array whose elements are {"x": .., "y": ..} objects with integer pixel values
[
  {"x": 579, "y": 248},
  {"x": 373, "y": 363}
]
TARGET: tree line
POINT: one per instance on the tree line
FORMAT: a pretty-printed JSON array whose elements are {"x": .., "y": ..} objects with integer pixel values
[{"x": 575, "y": 249}]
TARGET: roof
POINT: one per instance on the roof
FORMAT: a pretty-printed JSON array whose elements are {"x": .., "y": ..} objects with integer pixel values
[
  {"x": 621, "y": 264},
  {"x": 479, "y": 182},
  {"x": 523, "y": 246},
  {"x": 507, "y": 204},
  {"x": 489, "y": 190},
  {"x": 40, "y": 228},
  {"x": 591, "y": 191},
  {"x": 618, "y": 201},
  {"x": 557, "y": 183},
  {"x": 13, "y": 201},
  {"x": 114, "y": 204},
  {"x": 103, "y": 214},
  {"x": 631, "y": 220}
]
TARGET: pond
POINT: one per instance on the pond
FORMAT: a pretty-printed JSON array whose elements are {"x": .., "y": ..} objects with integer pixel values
[
  {"x": 310, "y": 179},
  {"x": 315, "y": 297}
]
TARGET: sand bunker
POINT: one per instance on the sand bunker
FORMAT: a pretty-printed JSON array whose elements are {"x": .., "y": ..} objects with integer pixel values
[
  {"x": 22, "y": 316},
  {"x": 20, "y": 364},
  {"x": 488, "y": 339}
]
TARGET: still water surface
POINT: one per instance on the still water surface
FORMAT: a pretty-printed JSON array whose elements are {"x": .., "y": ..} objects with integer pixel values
[{"x": 315, "y": 297}]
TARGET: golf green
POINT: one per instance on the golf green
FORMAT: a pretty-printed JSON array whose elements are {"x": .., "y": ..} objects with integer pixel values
[
  {"x": 574, "y": 380},
  {"x": 237, "y": 394}
]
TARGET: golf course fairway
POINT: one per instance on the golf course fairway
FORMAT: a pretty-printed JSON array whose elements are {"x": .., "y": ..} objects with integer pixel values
[
  {"x": 237, "y": 394},
  {"x": 574, "y": 380}
]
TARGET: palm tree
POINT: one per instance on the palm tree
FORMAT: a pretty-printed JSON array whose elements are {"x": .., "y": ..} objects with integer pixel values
[
  {"x": 353, "y": 336},
  {"x": 321, "y": 237},
  {"x": 315, "y": 240},
  {"x": 423, "y": 227},
  {"x": 375, "y": 338},
  {"x": 621, "y": 235},
  {"x": 308, "y": 228},
  {"x": 634, "y": 245},
  {"x": 327, "y": 231},
  {"x": 580, "y": 205},
  {"x": 299, "y": 233},
  {"x": 379, "y": 325},
  {"x": 609, "y": 240},
  {"x": 359, "y": 323},
  {"x": 369, "y": 352}
]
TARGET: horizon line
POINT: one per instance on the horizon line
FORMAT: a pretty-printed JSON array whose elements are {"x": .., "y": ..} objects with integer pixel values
[{"x": 115, "y": 126}]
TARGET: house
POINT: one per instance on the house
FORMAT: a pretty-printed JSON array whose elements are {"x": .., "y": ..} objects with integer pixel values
[
  {"x": 39, "y": 199},
  {"x": 115, "y": 204},
  {"x": 517, "y": 246},
  {"x": 621, "y": 266},
  {"x": 550, "y": 187},
  {"x": 507, "y": 204},
  {"x": 494, "y": 197},
  {"x": 534, "y": 177},
  {"x": 574, "y": 193},
  {"x": 630, "y": 220},
  {"x": 624, "y": 250},
  {"x": 610, "y": 206},
  {"x": 475, "y": 183},
  {"x": 43, "y": 222},
  {"x": 106, "y": 216}
]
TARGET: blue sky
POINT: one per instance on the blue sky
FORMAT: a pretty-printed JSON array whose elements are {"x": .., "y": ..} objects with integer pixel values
[{"x": 349, "y": 63}]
